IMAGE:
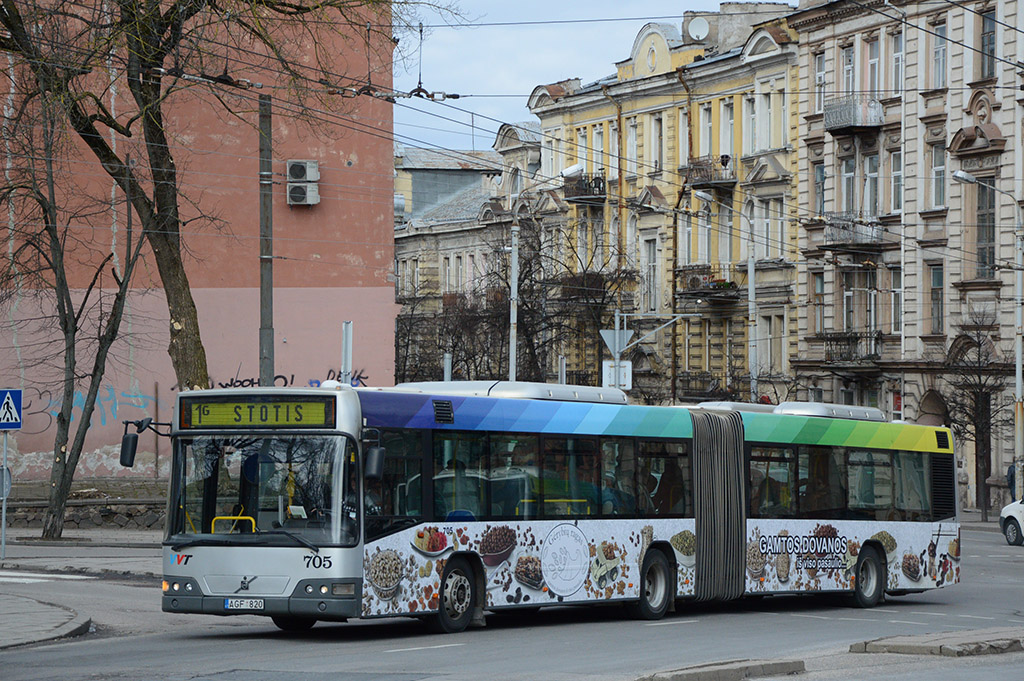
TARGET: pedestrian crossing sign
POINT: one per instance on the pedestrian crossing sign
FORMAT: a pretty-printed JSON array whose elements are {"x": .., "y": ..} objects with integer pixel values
[{"x": 10, "y": 409}]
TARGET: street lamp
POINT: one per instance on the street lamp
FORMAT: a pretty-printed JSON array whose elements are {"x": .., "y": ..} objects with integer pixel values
[
  {"x": 751, "y": 293},
  {"x": 965, "y": 177}
]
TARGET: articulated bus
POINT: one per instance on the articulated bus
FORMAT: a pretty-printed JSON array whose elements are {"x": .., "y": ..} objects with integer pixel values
[{"x": 444, "y": 501}]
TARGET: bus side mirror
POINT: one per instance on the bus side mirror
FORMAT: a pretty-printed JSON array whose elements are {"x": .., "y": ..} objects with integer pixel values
[
  {"x": 129, "y": 443},
  {"x": 374, "y": 465}
]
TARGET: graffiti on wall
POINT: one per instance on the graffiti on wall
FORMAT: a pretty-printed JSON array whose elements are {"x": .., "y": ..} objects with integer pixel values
[{"x": 41, "y": 405}]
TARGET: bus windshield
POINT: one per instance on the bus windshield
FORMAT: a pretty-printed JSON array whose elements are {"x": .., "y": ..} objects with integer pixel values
[{"x": 281, "y": 489}]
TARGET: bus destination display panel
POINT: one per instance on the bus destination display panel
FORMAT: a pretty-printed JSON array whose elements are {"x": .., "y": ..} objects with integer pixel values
[{"x": 264, "y": 411}]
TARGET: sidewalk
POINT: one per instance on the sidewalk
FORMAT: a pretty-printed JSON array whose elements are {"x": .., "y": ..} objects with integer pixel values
[{"x": 138, "y": 554}]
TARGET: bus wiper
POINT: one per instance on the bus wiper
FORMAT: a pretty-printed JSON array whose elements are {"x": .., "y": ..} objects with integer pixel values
[
  {"x": 206, "y": 541},
  {"x": 297, "y": 537}
]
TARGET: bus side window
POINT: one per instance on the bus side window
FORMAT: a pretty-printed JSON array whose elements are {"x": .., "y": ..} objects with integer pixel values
[
  {"x": 822, "y": 482},
  {"x": 395, "y": 501}
]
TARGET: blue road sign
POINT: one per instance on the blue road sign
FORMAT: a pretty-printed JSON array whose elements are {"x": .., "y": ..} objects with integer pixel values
[{"x": 10, "y": 409}]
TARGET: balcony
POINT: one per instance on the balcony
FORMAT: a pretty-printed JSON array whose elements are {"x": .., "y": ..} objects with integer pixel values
[
  {"x": 852, "y": 230},
  {"x": 710, "y": 171},
  {"x": 704, "y": 385},
  {"x": 582, "y": 286},
  {"x": 585, "y": 189},
  {"x": 853, "y": 113},
  {"x": 714, "y": 283},
  {"x": 846, "y": 347}
]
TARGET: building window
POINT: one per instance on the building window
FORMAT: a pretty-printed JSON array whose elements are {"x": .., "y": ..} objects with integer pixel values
[
  {"x": 846, "y": 61},
  {"x": 631, "y": 146},
  {"x": 650, "y": 275},
  {"x": 724, "y": 228},
  {"x": 848, "y": 290},
  {"x": 771, "y": 339},
  {"x": 938, "y": 173},
  {"x": 873, "y": 67},
  {"x": 897, "y": 63},
  {"x": 630, "y": 242},
  {"x": 936, "y": 280},
  {"x": 896, "y": 303},
  {"x": 896, "y": 177},
  {"x": 582, "y": 239},
  {"x": 684, "y": 138},
  {"x": 458, "y": 273},
  {"x": 598, "y": 148},
  {"x": 657, "y": 143},
  {"x": 985, "y": 241},
  {"x": 415, "y": 276},
  {"x": 613, "y": 146},
  {"x": 766, "y": 124},
  {"x": 871, "y": 185},
  {"x": 686, "y": 237},
  {"x": 783, "y": 118},
  {"x": 816, "y": 395},
  {"x": 818, "y": 200},
  {"x": 582, "y": 150},
  {"x": 897, "y": 405},
  {"x": 750, "y": 125},
  {"x": 703, "y": 232},
  {"x": 939, "y": 56},
  {"x": 705, "y": 130},
  {"x": 819, "y": 82},
  {"x": 761, "y": 229},
  {"x": 727, "y": 128},
  {"x": 988, "y": 44},
  {"x": 777, "y": 229},
  {"x": 446, "y": 282},
  {"x": 849, "y": 178},
  {"x": 818, "y": 302},
  {"x": 547, "y": 159}
]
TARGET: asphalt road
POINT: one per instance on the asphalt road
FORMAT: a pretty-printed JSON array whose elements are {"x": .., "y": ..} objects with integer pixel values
[{"x": 134, "y": 640}]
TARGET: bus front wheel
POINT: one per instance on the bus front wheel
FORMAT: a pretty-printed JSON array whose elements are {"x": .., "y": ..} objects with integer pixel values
[
  {"x": 869, "y": 578},
  {"x": 655, "y": 587},
  {"x": 290, "y": 623},
  {"x": 458, "y": 597}
]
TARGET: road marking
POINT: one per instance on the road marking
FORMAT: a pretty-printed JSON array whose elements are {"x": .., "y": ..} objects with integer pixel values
[
  {"x": 16, "y": 577},
  {"x": 661, "y": 624},
  {"x": 857, "y": 619},
  {"x": 999, "y": 555},
  {"x": 1016, "y": 621},
  {"x": 815, "y": 617},
  {"x": 407, "y": 650},
  {"x": 976, "y": 617},
  {"x": 930, "y": 614},
  {"x": 884, "y": 610},
  {"x": 920, "y": 624}
]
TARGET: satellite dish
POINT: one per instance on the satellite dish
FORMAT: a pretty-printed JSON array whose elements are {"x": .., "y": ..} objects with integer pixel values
[{"x": 698, "y": 28}]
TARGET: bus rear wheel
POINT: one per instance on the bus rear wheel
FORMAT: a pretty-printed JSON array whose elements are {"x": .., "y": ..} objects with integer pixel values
[
  {"x": 869, "y": 578},
  {"x": 655, "y": 587},
  {"x": 458, "y": 597},
  {"x": 291, "y": 623}
]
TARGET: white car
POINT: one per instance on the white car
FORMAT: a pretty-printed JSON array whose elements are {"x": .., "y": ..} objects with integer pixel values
[{"x": 1011, "y": 520}]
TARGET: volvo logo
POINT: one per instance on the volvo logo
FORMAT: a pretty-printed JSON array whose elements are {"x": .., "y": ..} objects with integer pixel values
[{"x": 244, "y": 584}]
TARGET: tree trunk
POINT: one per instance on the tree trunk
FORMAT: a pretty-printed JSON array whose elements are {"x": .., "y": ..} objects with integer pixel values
[{"x": 982, "y": 450}]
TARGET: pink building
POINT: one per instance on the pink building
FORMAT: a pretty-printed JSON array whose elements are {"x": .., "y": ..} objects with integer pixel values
[{"x": 333, "y": 261}]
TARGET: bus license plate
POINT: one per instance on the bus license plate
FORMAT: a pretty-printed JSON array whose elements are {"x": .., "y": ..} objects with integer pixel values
[{"x": 243, "y": 603}]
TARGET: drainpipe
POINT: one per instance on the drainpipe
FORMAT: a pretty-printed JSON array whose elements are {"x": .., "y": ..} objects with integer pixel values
[
  {"x": 620, "y": 208},
  {"x": 675, "y": 231}
]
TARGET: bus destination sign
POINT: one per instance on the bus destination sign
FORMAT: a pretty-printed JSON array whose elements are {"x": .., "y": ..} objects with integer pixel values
[{"x": 258, "y": 412}]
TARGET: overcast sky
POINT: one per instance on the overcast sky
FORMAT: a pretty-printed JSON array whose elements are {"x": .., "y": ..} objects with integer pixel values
[{"x": 513, "y": 59}]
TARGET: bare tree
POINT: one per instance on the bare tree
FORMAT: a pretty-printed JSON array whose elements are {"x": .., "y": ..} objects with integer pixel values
[
  {"x": 79, "y": 52},
  {"x": 976, "y": 374},
  {"x": 46, "y": 256}
]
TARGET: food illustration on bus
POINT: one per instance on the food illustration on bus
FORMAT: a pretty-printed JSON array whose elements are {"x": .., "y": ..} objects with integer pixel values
[
  {"x": 431, "y": 541},
  {"x": 528, "y": 571},
  {"x": 496, "y": 545},
  {"x": 685, "y": 545}
]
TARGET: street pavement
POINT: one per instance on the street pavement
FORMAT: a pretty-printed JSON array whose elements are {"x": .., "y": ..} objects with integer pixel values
[{"x": 25, "y": 621}]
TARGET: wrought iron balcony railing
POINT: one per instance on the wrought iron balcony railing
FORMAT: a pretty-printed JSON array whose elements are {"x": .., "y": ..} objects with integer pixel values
[
  {"x": 585, "y": 189},
  {"x": 710, "y": 170},
  {"x": 852, "y": 228},
  {"x": 852, "y": 346}
]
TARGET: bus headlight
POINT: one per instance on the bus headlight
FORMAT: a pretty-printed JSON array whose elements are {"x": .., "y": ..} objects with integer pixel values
[{"x": 309, "y": 588}]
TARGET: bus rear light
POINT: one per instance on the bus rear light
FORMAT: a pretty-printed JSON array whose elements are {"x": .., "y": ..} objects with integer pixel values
[{"x": 343, "y": 589}]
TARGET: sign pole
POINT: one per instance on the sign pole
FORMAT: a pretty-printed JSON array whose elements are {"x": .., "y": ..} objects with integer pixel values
[{"x": 3, "y": 521}]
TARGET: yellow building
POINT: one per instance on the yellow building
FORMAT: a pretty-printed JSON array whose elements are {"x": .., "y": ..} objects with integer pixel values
[{"x": 679, "y": 170}]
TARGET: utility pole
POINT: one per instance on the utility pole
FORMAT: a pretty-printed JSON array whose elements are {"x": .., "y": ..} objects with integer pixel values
[
  {"x": 513, "y": 302},
  {"x": 266, "y": 247}
]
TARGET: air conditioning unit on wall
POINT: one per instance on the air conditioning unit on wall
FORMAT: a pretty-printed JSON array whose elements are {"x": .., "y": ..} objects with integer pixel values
[
  {"x": 303, "y": 194},
  {"x": 303, "y": 171},
  {"x": 302, "y": 182}
]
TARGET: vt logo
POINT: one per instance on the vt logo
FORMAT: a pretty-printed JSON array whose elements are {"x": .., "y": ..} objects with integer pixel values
[{"x": 180, "y": 558}]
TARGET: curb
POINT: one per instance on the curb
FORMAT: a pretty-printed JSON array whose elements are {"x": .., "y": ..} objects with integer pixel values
[
  {"x": 730, "y": 670},
  {"x": 84, "y": 541},
  {"x": 963, "y": 644},
  {"x": 101, "y": 573},
  {"x": 78, "y": 626}
]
